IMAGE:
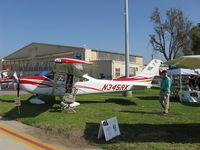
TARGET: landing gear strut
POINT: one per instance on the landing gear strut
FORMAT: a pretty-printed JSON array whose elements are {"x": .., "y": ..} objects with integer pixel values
[{"x": 68, "y": 100}]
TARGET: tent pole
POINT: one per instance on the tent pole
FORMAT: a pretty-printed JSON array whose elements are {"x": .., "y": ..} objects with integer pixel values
[{"x": 180, "y": 98}]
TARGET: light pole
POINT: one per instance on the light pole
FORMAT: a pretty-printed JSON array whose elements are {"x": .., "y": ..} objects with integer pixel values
[
  {"x": 126, "y": 93},
  {"x": 126, "y": 38}
]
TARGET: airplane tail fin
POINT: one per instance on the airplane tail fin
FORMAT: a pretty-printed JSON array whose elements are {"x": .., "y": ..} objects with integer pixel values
[
  {"x": 147, "y": 74},
  {"x": 151, "y": 69}
]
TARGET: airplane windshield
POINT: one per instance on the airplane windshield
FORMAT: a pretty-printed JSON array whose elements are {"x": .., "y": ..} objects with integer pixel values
[
  {"x": 50, "y": 75},
  {"x": 74, "y": 69},
  {"x": 82, "y": 79}
]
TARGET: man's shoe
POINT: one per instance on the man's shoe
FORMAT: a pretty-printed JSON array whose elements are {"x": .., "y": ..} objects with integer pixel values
[{"x": 164, "y": 113}]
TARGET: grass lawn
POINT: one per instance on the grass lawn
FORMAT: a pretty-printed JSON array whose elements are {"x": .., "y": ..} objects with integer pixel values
[{"x": 141, "y": 122}]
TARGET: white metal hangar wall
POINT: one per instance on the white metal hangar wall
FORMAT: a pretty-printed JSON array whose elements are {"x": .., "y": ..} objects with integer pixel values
[{"x": 37, "y": 57}]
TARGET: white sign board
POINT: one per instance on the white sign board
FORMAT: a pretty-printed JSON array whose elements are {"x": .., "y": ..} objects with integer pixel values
[
  {"x": 109, "y": 128},
  {"x": 17, "y": 101}
]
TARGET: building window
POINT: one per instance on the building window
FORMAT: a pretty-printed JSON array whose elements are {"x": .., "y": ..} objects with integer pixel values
[
  {"x": 117, "y": 72},
  {"x": 132, "y": 71},
  {"x": 132, "y": 58},
  {"x": 111, "y": 56}
]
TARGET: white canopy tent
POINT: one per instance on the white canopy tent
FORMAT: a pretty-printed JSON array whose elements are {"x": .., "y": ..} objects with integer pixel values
[
  {"x": 191, "y": 62},
  {"x": 183, "y": 71}
]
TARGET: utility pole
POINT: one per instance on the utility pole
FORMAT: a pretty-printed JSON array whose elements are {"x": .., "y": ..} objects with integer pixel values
[
  {"x": 126, "y": 93},
  {"x": 126, "y": 38}
]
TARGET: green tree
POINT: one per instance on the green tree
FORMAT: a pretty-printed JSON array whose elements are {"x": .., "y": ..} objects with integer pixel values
[
  {"x": 195, "y": 40},
  {"x": 171, "y": 36}
]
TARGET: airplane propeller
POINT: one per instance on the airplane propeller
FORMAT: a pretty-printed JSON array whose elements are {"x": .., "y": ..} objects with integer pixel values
[
  {"x": 17, "y": 99},
  {"x": 18, "y": 83},
  {"x": 18, "y": 87}
]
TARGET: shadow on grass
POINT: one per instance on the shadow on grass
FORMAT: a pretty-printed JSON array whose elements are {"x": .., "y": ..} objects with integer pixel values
[
  {"x": 173, "y": 133},
  {"x": 172, "y": 99},
  {"x": 89, "y": 102},
  {"x": 140, "y": 112},
  {"x": 119, "y": 101},
  {"x": 191, "y": 104},
  {"x": 55, "y": 109},
  {"x": 6, "y": 101},
  {"x": 29, "y": 110}
]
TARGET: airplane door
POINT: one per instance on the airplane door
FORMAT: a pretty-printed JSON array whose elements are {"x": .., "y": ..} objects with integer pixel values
[
  {"x": 59, "y": 83},
  {"x": 69, "y": 83},
  {"x": 63, "y": 83}
]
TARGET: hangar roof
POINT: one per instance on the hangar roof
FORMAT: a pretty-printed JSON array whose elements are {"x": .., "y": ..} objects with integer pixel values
[{"x": 42, "y": 49}]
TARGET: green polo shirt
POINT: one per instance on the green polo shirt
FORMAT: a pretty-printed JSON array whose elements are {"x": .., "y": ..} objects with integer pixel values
[{"x": 165, "y": 84}]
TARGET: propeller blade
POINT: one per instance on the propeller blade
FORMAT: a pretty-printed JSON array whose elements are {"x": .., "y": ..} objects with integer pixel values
[{"x": 18, "y": 88}]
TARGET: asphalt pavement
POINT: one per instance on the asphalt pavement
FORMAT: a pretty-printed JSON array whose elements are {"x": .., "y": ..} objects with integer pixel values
[
  {"x": 13, "y": 137},
  {"x": 8, "y": 143}
]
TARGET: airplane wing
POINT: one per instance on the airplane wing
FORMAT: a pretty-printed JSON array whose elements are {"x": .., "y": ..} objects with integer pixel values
[
  {"x": 72, "y": 66},
  {"x": 70, "y": 60},
  {"x": 5, "y": 81}
]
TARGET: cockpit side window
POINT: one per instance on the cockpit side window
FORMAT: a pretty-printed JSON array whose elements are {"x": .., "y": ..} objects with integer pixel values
[
  {"x": 82, "y": 79},
  {"x": 149, "y": 68}
]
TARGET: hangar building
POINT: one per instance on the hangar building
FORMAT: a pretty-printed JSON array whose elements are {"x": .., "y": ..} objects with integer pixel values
[{"x": 37, "y": 57}]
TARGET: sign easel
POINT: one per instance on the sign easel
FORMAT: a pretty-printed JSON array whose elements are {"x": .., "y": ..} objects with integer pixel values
[
  {"x": 109, "y": 129},
  {"x": 18, "y": 103}
]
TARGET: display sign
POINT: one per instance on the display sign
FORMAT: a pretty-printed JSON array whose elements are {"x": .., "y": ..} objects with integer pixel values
[
  {"x": 17, "y": 101},
  {"x": 109, "y": 128}
]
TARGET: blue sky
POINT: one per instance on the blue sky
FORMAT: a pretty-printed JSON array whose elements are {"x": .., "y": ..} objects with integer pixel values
[{"x": 97, "y": 24}]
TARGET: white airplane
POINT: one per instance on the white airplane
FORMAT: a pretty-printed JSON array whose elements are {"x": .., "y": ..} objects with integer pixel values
[{"x": 69, "y": 80}]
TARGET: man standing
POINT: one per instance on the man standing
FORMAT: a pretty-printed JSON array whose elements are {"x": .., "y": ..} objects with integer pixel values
[{"x": 165, "y": 91}]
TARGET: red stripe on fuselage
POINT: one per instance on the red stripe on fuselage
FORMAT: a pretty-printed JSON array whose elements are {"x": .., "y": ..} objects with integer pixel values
[
  {"x": 36, "y": 78},
  {"x": 132, "y": 79},
  {"x": 87, "y": 87},
  {"x": 31, "y": 81}
]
